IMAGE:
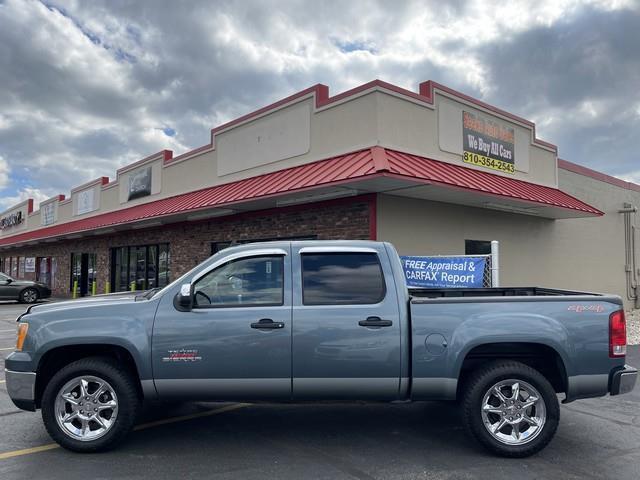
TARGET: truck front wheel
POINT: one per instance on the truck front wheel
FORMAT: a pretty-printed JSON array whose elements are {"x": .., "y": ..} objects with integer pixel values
[
  {"x": 510, "y": 408},
  {"x": 90, "y": 405}
]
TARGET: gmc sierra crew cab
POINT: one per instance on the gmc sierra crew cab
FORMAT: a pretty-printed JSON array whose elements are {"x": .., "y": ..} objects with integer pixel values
[{"x": 318, "y": 320}]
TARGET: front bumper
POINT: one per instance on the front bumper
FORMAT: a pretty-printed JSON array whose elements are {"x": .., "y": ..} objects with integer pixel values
[
  {"x": 45, "y": 292},
  {"x": 623, "y": 381},
  {"x": 21, "y": 387}
]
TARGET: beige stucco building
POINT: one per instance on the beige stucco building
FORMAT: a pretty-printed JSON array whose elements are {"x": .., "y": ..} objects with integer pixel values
[{"x": 434, "y": 171}]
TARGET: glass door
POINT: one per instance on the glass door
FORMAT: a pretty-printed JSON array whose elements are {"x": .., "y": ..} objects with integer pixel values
[
  {"x": 137, "y": 268},
  {"x": 83, "y": 273},
  {"x": 43, "y": 270}
]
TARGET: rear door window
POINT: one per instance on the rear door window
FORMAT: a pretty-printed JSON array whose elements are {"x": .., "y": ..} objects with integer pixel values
[{"x": 342, "y": 279}]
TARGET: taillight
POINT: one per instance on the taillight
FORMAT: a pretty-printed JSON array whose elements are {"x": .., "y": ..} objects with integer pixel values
[{"x": 617, "y": 334}]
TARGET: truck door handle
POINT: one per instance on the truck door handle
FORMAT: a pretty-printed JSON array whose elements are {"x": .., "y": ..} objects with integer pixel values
[
  {"x": 375, "y": 322},
  {"x": 267, "y": 323}
]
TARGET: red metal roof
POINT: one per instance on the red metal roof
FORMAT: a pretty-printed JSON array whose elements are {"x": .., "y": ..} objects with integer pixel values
[
  {"x": 457, "y": 176},
  {"x": 363, "y": 164}
]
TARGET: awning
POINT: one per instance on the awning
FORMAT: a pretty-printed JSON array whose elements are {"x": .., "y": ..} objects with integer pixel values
[{"x": 370, "y": 170}]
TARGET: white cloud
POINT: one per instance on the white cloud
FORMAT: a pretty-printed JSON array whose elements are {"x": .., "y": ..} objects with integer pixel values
[
  {"x": 4, "y": 173},
  {"x": 28, "y": 192},
  {"x": 89, "y": 86},
  {"x": 632, "y": 177}
]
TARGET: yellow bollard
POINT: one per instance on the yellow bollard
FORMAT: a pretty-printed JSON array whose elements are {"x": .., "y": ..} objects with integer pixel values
[
  {"x": 75, "y": 289},
  {"x": 133, "y": 286},
  {"x": 93, "y": 288},
  {"x": 107, "y": 287}
]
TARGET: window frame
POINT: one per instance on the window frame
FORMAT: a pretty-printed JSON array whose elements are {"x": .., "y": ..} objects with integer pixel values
[
  {"x": 281, "y": 255},
  {"x": 311, "y": 251},
  {"x": 220, "y": 245}
]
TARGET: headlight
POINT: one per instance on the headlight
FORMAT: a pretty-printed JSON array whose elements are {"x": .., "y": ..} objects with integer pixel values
[{"x": 23, "y": 328}]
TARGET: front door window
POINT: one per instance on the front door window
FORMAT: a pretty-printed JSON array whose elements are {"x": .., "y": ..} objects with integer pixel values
[{"x": 255, "y": 281}]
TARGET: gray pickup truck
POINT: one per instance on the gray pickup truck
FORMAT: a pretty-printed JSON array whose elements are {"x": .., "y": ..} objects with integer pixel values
[{"x": 320, "y": 320}]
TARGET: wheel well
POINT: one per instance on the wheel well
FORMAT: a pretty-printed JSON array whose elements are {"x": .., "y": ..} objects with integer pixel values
[
  {"x": 57, "y": 358},
  {"x": 540, "y": 357}
]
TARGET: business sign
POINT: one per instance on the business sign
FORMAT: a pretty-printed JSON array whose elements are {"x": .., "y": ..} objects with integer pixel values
[
  {"x": 47, "y": 213},
  {"x": 30, "y": 264},
  {"x": 11, "y": 220},
  {"x": 140, "y": 183},
  {"x": 84, "y": 201},
  {"x": 444, "y": 272},
  {"x": 487, "y": 143}
]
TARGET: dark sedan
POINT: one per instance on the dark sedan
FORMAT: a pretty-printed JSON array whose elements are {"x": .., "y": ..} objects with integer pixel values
[{"x": 25, "y": 291}]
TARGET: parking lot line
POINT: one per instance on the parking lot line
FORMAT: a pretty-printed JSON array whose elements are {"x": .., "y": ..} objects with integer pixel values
[
  {"x": 10, "y": 348},
  {"x": 144, "y": 426},
  {"x": 2, "y": 381},
  {"x": 27, "y": 451},
  {"x": 13, "y": 330}
]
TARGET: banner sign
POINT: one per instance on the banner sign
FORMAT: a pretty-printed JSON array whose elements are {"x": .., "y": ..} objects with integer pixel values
[
  {"x": 140, "y": 183},
  {"x": 487, "y": 143},
  {"x": 11, "y": 220},
  {"x": 30, "y": 264},
  {"x": 444, "y": 272},
  {"x": 47, "y": 213},
  {"x": 85, "y": 201}
]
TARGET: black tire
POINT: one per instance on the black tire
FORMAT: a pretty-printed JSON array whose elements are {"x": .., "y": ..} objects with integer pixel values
[
  {"x": 29, "y": 295},
  {"x": 122, "y": 382},
  {"x": 482, "y": 380}
]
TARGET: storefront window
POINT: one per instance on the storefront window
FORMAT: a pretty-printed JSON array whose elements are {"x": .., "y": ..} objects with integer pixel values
[
  {"x": 14, "y": 267},
  {"x": 163, "y": 265},
  {"x": 54, "y": 270},
  {"x": 21, "y": 267},
  {"x": 140, "y": 267},
  {"x": 76, "y": 267},
  {"x": 43, "y": 270},
  {"x": 92, "y": 270},
  {"x": 477, "y": 247}
]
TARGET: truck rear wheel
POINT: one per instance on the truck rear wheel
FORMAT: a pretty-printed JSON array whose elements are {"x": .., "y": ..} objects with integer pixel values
[
  {"x": 510, "y": 408},
  {"x": 90, "y": 405}
]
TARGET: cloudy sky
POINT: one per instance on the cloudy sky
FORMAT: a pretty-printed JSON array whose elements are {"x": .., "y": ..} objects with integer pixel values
[{"x": 86, "y": 87}]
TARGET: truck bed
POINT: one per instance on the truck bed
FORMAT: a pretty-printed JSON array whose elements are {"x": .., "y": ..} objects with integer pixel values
[{"x": 426, "y": 293}]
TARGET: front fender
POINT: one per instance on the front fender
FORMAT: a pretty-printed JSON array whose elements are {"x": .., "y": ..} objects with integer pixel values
[
  {"x": 97, "y": 340},
  {"x": 129, "y": 328}
]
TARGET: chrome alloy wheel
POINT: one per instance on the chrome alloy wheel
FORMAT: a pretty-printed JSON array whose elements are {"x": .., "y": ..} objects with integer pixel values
[
  {"x": 86, "y": 408},
  {"x": 513, "y": 412}
]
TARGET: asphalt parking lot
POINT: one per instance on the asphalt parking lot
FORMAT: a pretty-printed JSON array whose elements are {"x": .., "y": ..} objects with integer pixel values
[{"x": 597, "y": 438}]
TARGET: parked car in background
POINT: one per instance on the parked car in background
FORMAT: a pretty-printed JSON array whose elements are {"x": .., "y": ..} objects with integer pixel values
[{"x": 24, "y": 291}]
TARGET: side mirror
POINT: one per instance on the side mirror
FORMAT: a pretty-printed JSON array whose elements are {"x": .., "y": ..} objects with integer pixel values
[
  {"x": 9, "y": 280},
  {"x": 183, "y": 301}
]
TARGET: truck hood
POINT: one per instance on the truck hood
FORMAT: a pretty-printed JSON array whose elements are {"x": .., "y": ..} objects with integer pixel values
[{"x": 96, "y": 301}]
